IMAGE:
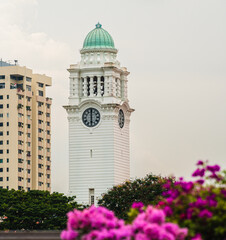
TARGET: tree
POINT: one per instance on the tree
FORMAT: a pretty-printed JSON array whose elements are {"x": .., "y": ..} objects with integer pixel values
[
  {"x": 34, "y": 210},
  {"x": 120, "y": 198}
]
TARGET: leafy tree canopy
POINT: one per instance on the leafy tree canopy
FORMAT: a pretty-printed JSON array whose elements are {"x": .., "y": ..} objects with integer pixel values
[{"x": 34, "y": 210}]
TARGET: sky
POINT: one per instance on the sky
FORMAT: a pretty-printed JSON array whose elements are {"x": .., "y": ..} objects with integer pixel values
[{"x": 175, "y": 52}]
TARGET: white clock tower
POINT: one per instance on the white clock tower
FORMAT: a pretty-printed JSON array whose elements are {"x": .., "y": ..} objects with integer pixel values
[{"x": 99, "y": 118}]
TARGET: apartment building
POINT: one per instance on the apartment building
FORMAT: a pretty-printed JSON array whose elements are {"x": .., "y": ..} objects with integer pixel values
[{"x": 25, "y": 129}]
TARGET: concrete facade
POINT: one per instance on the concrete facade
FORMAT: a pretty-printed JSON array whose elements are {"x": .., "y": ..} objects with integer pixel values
[{"x": 25, "y": 134}]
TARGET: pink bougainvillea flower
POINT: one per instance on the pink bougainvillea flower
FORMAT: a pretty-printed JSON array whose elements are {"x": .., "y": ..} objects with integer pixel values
[
  {"x": 198, "y": 172},
  {"x": 214, "y": 168},
  {"x": 168, "y": 211},
  {"x": 200, "y": 181},
  {"x": 197, "y": 237},
  {"x": 200, "y": 162},
  {"x": 205, "y": 214}
]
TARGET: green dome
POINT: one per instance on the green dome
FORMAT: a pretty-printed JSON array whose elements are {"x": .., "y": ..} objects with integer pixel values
[{"x": 98, "y": 38}]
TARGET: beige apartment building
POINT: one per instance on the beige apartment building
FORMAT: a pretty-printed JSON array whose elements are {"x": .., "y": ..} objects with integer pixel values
[{"x": 25, "y": 129}]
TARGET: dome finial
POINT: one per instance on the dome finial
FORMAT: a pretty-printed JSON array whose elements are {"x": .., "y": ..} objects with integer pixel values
[{"x": 98, "y": 25}]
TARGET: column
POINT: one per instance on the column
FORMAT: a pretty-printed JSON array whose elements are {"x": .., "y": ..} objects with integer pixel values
[
  {"x": 98, "y": 87},
  {"x": 85, "y": 87},
  {"x": 106, "y": 86},
  {"x": 91, "y": 86},
  {"x": 76, "y": 87},
  {"x": 119, "y": 87}
]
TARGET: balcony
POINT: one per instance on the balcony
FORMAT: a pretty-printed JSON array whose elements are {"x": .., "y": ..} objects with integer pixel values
[
  {"x": 28, "y": 139},
  {"x": 29, "y": 121},
  {"x": 20, "y": 147},
  {"x": 20, "y": 155},
  {"x": 20, "y": 138},
  {"x": 28, "y": 130},
  {"x": 40, "y": 125},
  {"x": 29, "y": 148},
  {"x": 40, "y": 152},
  {"x": 48, "y": 145},
  {"x": 20, "y": 110},
  {"x": 48, "y": 154},
  {"x": 40, "y": 117},
  {"x": 40, "y": 99},
  {"x": 28, "y": 167},
  {"x": 48, "y": 110},
  {"x": 20, "y": 91},
  {"x": 47, "y": 119},
  {"x": 29, "y": 93},
  {"x": 20, "y": 101},
  {"x": 20, "y": 174},
  {"x": 20, "y": 165},
  {"x": 48, "y": 180},
  {"x": 40, "y": 134}
]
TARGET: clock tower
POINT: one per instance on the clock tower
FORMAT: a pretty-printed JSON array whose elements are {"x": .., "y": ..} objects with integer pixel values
[{"x": 99, "y": 118}]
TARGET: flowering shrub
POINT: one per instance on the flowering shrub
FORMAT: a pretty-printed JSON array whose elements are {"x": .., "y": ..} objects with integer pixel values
[
  {"x": 100, "y": 223},
  {"x": 200, "y": 205},
  {"x": 147, "y": 190}
]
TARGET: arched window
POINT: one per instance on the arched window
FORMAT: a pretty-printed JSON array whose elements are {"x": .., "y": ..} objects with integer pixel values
[
  {"x": 88, "y": 86},
  {"x": 95, "y": 86},
  {"x": 102, "y": 86}
]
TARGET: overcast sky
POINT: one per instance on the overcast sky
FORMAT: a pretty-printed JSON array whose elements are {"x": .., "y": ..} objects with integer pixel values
[{"x": 175, "y": 51}]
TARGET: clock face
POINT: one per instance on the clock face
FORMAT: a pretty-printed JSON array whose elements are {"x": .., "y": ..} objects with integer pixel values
[
  {"x": 121, "y": 118},
  {"x": 91, "y": 117}
]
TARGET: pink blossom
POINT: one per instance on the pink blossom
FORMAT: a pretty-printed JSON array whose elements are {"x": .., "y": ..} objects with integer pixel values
[
  {"x": 200, "y": 162},
  {"x": 197, "y": 237},
  {"x": 205, "y": 214}
]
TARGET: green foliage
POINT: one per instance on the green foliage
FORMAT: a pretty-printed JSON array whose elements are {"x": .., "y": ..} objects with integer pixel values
[
  {"x": 120, "y": 198},
  {"x": 34, "y": 210}
]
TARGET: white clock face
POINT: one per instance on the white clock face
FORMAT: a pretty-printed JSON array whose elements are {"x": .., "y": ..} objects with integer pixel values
[
  {"x": 121, "y": 118},
  {"x": 91, "y": 117}
]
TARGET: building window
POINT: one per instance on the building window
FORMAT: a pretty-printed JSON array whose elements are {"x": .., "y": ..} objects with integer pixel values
[
  {"x": 39, "y": 156},
  {"x": 1, "y": 160},
  {"x": 48, "y": 140},
  {"x": 40, "y": 130},
  {"x": 28, "y": 88},
  {"x": 7, "y": 96},
  {"x": 48, "y": 132},
  {"x": 7, "y": 151},
  {"x": 39, "y": 121},
  {"x": 28, "y": 79},
  {"x": 7, "y": 105},
  {"x": 20, "y": 188},
  {"x": 28, "y": 162},
  {"x": 2, "y": 85},
  {"x": 40, "y": 184},
  {"x": 20, "y": 179},
  {"x": 40, "y": 93},
  {"x": 28, "y": 171},
  {"x": 20, "y": 160},
  {"x": 48, "y": 123},
  {"x": 28, "y": 144},
  {"x": 47, "y": 167},
  {"x": 48, "y": 105},
  {"x": 28, "y": 125},
  {"x": 1, "y": 151},
  {"x": 1, "y": 97},
  {"x": 1, "y": 169},
  {"x": 1, "y": 179},
  {"x": 20, "y": 169},
  {"x": 40, "y": 84},
  {"x": 48, "y": 185},
  {"x": 2, "y": 76},
  {"x": 39, "y": 165},
  {"x": 91, "y": 196},
  {"x": 7, "y": 133},
  {"x": 7, "y": 114},
  {"x": 39, "y": 174},
  {"x": 1, "y": 115},
  {"x": 7, "y": 160},
  {"x": 28, "y": 99},
  {"x": 7, "y": 179},
  {"x": 1, "y": 124},
  {"x": 47, "y": 114},
  {"x": 20, "y": 133},
  {"x": 48, "y": 158},
  {"x": 7, "y": 124},
  {"x": 1, "y": 133},
  {"x": 28, "y": 135},
  {"x": 40, "y": 112},
  {"x": 1, "y": 106},
  {"x": 48, "y": 175},
  {"x": 20, "y": 151},
  {"x": 7, "y": 142},
  {"x": 7, "y": 169},
  {"x": 28, "y": 180},
  {"x": 1, "y": 142},
  {"x": 39, "y": 104}
]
